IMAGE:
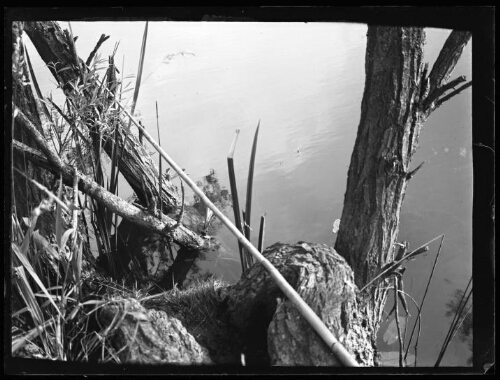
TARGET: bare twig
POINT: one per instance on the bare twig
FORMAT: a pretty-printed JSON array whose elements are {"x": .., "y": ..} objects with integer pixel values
[
  {"x": 414, "y": 171},
  {"x": 442, "y": 89},
  {"x": 102, "y": 39},
  {"x": 452, "y": 94}
]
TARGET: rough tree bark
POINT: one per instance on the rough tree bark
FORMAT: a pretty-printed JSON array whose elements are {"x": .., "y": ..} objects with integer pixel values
[
  {"x": 272, "y": 329},
  {"x": 398, "y": 97}
]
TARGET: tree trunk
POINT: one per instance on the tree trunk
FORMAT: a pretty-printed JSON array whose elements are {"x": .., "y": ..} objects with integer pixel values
[{"x": 398, "y": 98}]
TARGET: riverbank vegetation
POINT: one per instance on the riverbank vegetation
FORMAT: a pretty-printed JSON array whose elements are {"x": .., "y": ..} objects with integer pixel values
[{"x": 70, "y": 305}]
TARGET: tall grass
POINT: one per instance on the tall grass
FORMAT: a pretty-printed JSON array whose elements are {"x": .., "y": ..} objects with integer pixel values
[
  {"x": 47, "y": 280},
  {"x": 50, "y": 310},
  {"x": 51, "y": 315},
  {"x": 399, "y": 293}
]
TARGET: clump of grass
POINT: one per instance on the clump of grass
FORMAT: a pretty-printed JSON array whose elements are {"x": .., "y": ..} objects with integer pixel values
[
  {"x": 53, "y": 317},
  {"x": 48, "y": 308},
  {"x": 200, "y": 310}
]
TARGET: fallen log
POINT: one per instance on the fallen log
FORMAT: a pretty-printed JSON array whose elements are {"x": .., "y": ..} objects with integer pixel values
[{"x": 139, "y": 216}]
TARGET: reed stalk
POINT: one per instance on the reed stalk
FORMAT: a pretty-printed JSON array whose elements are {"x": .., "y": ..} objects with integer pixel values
[
  {"x": 260, "y": 246},
  {"x": 425, "y": 293},
  {"x": 139, "y": 73},
  {"x": 160, "y": 208},
  {"x": 397, "y": 263},
  {"x": 248, "y": 207},
  {"x": 316, "y": 323},
  {"x": 246, "y": 255},
  {"x": 234, "y": 195},
  {"x": 136, "y": 91},
  {"x": 396, "y": 312}
]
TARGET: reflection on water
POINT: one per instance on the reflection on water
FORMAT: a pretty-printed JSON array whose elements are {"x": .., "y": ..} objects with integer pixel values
[{"x": 305, "y": 83}]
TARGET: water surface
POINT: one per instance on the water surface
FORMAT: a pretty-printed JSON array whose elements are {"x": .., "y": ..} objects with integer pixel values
[{"x": 304, "y": 82}]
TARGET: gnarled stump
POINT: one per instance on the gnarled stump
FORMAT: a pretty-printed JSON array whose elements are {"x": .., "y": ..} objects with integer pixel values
[
  {"x": 272, "y": 329},
  {"x": 150, "y": 336}
]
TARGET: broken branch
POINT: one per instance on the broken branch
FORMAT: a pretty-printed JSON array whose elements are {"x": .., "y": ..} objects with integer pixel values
[
  {"x": 452, "y": 94},
  {"x": 441, "y": 90},
  {"x": 97, "y": 46},
  {"x": 181, "y": 235},
  {"x": 448, "y": 58},
  {"x": 37, "y": 136},
  {"x": 414, "y": 171}
]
